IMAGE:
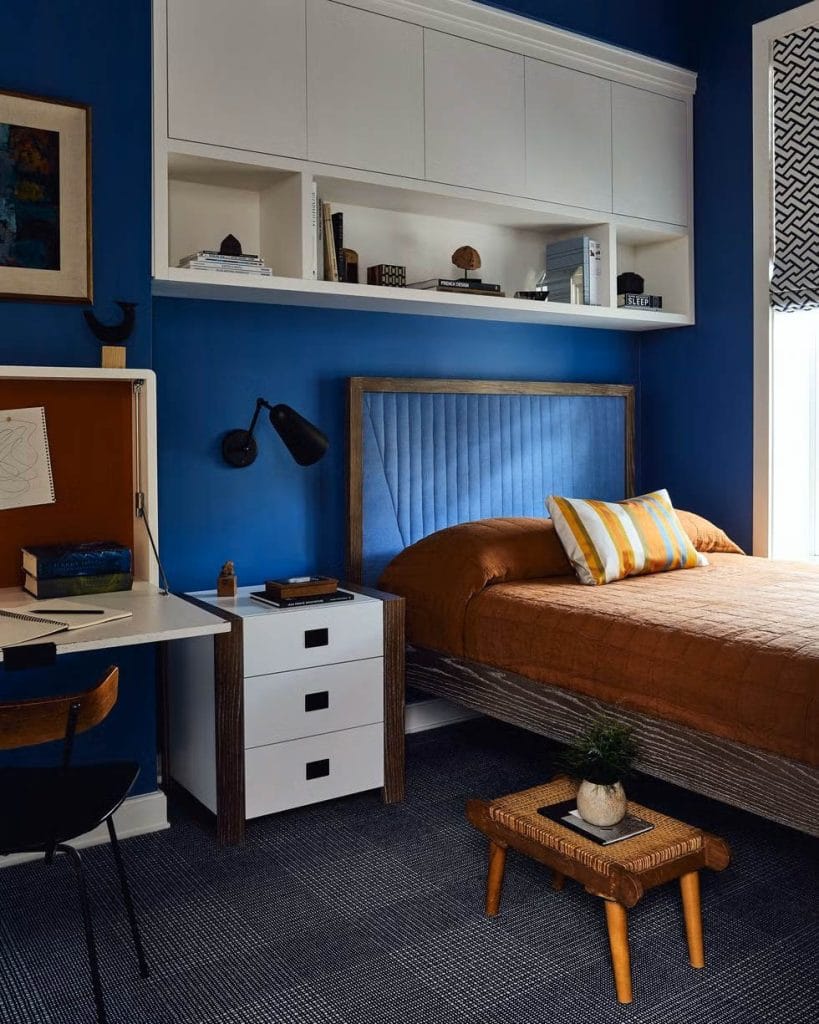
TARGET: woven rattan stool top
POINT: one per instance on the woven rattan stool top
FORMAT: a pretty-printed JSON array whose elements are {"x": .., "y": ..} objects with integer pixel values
[{"x": 621, "y": 871}]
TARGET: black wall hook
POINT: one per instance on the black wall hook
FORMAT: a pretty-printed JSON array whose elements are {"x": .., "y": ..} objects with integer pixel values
[{"x": 113, "y": 334}]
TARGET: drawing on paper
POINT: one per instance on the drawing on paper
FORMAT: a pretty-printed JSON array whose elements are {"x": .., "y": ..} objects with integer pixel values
[{"x": 25, "y": 462}]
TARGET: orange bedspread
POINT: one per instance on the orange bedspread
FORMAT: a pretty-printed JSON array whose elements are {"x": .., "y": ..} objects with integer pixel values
[{"x": 731, "y": 648}]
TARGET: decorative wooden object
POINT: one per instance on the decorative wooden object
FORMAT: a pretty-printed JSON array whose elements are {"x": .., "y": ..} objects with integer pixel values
[
  {"x": 113, "y": 357},
  {"x": 113, "y": 336},
  {"x": 227, "y": 583},
  {"x": 620, "y": 873},
  {"x": 351, "y": 265},
  {"x": 388, "y": 275},
  {"x": 466, "y": 258}
]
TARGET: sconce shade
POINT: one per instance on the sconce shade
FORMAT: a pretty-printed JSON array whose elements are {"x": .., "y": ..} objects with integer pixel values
[{"x": 305, "y": 442}]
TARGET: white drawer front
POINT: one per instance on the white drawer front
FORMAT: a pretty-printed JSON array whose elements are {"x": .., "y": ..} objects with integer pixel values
[
  {"x": 308, "y": 701},
  {"x": 281, "y": 640},
  {"x": 339, "y": 763}
]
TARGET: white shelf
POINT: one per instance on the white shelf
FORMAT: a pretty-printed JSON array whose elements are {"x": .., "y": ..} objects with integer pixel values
[{"x": 288, "y": 291}]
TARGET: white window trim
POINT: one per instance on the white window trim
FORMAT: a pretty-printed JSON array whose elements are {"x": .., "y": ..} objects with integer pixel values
[{"x": 764, "y": 34}]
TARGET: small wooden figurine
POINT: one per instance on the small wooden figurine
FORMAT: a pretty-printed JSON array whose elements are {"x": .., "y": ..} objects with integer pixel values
[
  {"x": 226, "y": 584},
  {"x": 466, "y": 258}
]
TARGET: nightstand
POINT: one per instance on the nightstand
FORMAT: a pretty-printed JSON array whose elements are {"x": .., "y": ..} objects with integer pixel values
[{"x": 292, "y": 707}]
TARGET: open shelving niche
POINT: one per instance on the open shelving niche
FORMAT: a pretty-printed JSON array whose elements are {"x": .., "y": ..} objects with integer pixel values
[{"x": 205, "y": 193}]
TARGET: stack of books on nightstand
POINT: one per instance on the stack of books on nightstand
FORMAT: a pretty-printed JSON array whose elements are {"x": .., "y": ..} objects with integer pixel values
[
  {"x": 74, "y": 570},
  {"x": 207, "y": 259},
  {"x": 297, "y": 591}
]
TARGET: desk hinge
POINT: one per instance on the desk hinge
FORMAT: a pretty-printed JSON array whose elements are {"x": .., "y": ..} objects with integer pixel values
[{"x": 139, "y": 504}]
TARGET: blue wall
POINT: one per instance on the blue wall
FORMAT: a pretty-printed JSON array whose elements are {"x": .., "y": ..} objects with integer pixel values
[
  {"x": 697, "y": 384},
  {"x": 96, "y": 52},
  {"x": 213, "y": 359}
]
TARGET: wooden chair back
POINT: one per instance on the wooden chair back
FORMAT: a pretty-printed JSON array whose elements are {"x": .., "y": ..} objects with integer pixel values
[{"x": 43, "y": 719}]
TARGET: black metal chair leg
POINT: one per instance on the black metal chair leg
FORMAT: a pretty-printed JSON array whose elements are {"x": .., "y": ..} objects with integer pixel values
[
  {"x": 129, "y": 903},
  {"x": 74, "y": 857}
]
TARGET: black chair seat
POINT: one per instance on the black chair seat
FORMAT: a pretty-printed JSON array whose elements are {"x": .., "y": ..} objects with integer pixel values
[{"x": 43, "y": 806}]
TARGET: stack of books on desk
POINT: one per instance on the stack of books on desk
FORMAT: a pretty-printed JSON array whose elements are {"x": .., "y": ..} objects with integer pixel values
[
  {"x": 207, "y": 259},
  {"x": 72, "y": 570}
]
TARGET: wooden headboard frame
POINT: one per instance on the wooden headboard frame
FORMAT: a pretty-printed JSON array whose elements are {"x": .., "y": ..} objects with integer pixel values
[{"x": 358, "y": 387}]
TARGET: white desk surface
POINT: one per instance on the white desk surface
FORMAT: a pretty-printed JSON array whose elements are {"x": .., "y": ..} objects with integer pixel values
[{"x": 156, "y": 617}]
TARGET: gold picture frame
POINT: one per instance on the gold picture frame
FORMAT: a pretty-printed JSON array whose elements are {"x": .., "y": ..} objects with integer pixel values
[{"x": 45, "y": 199}]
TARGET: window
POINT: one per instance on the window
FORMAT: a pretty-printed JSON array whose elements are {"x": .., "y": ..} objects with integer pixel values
[{"x": 786, "y": 285}]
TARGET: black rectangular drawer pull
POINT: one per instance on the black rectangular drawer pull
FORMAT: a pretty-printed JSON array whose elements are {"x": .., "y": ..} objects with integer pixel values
[
  {"x": 317, "y": 701},
  {"x": 316, "y": 637},
  {"x": 317, "y": 769}
]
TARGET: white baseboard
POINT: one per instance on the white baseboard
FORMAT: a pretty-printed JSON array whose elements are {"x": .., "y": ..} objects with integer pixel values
[
  {"x": 432, "y": 714},
  {"x": 138, "y": 815}
]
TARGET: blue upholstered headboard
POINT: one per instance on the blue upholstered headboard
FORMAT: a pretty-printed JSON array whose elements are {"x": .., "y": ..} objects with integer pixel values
[{"x": 425, "y": 454}]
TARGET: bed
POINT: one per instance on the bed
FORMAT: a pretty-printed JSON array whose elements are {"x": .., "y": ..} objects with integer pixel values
[{"x": 425, "y": 455}]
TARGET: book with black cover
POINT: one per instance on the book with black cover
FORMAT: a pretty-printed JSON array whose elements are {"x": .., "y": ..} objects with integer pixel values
[
  {"x": 337, "y": 220},
  {"x": 463, "y": 283},
  {"x": 566, "y": 813},
  {"x": 297, "y": 602},
  {"x": 77, "y": 586}
]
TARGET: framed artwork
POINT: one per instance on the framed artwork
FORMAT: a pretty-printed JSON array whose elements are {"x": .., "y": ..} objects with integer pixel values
[{"x": 45, "y": 199}]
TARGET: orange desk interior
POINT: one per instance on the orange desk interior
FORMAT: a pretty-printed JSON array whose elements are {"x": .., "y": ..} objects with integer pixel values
[{"x": 90, "y": 437}]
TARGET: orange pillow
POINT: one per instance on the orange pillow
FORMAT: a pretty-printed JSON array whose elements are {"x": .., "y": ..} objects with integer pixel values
[
  {"x": 705, "y": 536},
  {"x": 439, "y": 574}
]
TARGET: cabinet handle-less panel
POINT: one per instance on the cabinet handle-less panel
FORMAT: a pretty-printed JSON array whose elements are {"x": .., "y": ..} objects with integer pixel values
[
  {"x": 278, "y": 643},
  {"x": 365, "y": 90},
  {"x": 289, "y": 705},
  {"x": 236, "y": 72},
  {"x": 568, "y": 136},
  {"x": 474, "y": 108},
  {"x": 650, "y": 155},
  {"x": 305, "y": 771}
]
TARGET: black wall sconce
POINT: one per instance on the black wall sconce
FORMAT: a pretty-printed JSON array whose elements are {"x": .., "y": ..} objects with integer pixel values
[{"x": 305, "y": 442}]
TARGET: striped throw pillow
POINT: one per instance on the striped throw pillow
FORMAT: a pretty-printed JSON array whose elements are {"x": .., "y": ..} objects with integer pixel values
[{"x": 607, "y": 541}]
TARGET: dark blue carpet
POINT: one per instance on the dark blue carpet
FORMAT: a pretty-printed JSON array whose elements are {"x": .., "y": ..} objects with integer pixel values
[{"x": 353, "y": 913}]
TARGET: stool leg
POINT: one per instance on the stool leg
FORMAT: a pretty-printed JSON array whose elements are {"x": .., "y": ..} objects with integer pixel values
[
  {"x": 617, "y": 923},
  {"x": 557, "y": 881},
  {"x": 494, "y": 877},
  {"x": 690, "y": 889}
]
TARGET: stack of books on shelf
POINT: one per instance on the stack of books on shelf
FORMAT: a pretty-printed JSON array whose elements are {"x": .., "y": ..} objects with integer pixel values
[
  {"x": 208, "y": 259},
  {"x": 573, "y": 269},
  {"x": 297, "y": 591},
  {"x": 330, "y": 258},
  {"x": 72, "y": 570},
  {"x": 460, "y": 285}
]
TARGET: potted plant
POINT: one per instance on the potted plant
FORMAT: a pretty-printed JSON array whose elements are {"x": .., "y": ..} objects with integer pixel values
[{"x": 600, "y": 759}]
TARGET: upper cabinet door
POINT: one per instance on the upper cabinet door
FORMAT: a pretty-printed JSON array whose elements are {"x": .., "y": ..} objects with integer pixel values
[
  {"x": 568, "y": 136},
  {"x": 651, "y": 158},
  {"x": 365, "y": 90},
  {"x": 474, "y": 114},
  {"x": 236, "y": 71}
]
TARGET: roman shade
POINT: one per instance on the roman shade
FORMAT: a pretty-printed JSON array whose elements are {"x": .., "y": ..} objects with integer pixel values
[{"x": 795, "y": 136}]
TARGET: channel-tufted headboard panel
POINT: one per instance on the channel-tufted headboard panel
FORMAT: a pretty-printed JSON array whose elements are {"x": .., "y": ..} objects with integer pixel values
[{"x": 426, "y": 454}]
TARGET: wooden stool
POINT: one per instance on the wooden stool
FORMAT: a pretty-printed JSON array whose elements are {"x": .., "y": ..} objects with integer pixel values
[{"x": 619, "y": 873}]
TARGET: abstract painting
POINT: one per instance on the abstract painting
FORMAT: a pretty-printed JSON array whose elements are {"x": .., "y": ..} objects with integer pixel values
[
  {"x": 45, "y": 230},
  {"x": 29, "y": 197}
]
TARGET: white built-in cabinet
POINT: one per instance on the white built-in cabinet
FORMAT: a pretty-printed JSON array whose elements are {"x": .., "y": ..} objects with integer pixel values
[
  {"x": 474, "y": 110},
  {"x": 365, "y": 90},
  {"x": 429, "y": 126},
  {"x": 568, "y": 136},
  {"x": 236, "y": 74},
  {"x": 651, "y": 160}
]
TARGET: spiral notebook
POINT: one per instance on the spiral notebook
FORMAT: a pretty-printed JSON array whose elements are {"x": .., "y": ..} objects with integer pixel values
[
  {"x": 18, "y": 628},
  {"x": 25, "y": 461}
]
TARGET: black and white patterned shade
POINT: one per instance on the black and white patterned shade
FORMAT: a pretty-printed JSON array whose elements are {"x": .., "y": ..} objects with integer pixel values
[{"x": 795, "y": 277}]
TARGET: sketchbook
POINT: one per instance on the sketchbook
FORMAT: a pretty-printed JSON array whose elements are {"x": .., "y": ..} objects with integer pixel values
[
  {"x": 25, "y": 461},
  {"x": 50, "y": 609}
]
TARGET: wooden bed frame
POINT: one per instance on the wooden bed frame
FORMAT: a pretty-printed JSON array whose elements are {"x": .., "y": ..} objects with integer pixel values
[{"x": 764, "y": 783}]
